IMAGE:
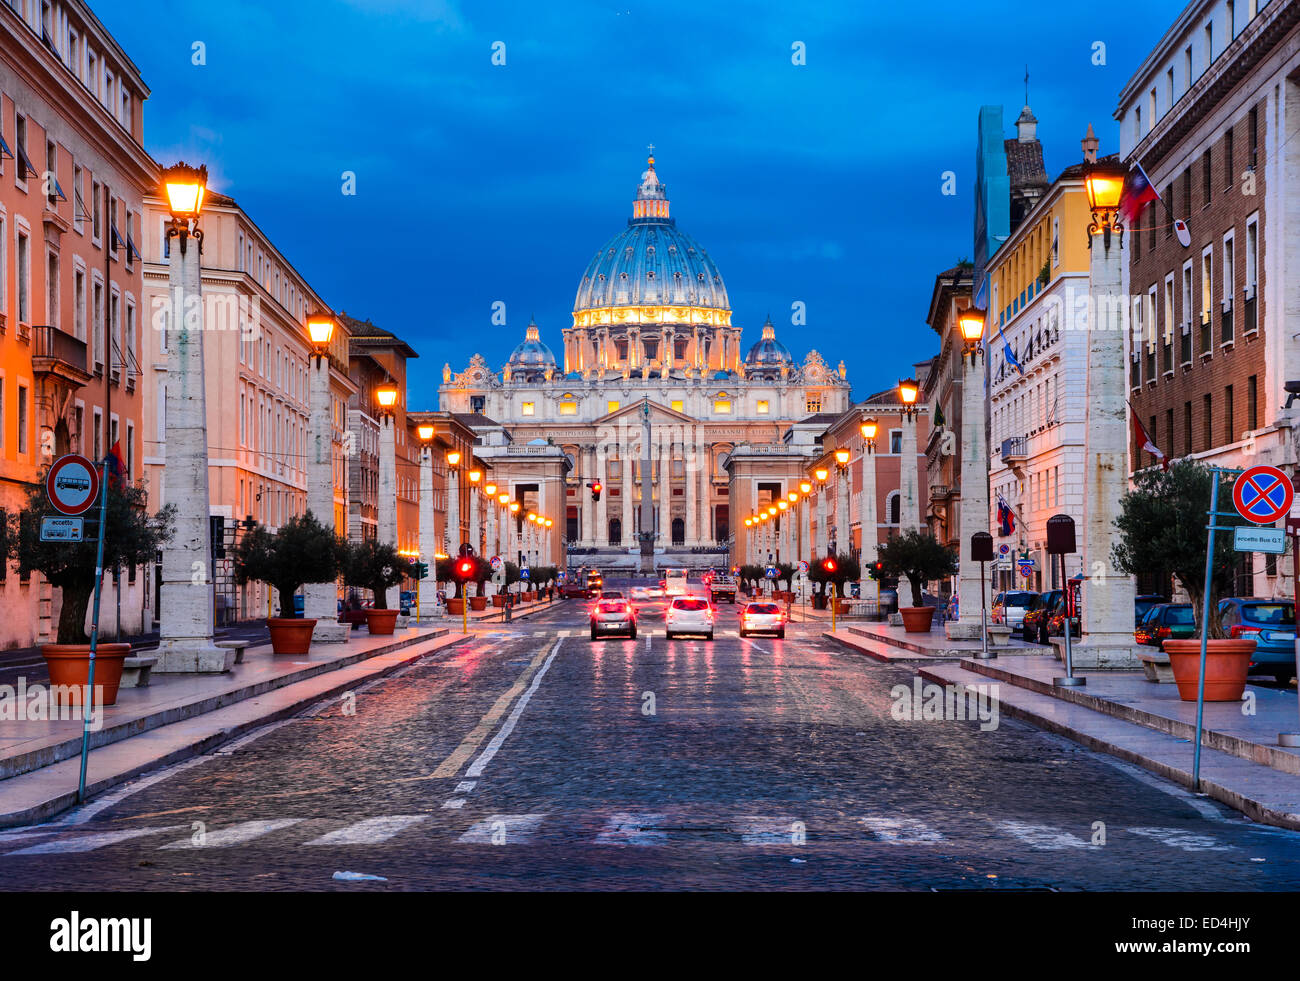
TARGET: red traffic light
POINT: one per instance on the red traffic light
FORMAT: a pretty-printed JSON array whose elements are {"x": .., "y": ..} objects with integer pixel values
[
  {"x": 464, "y": 569},
  {"x": 595, "y": 490},
  {"x": 829, "y": 565}
]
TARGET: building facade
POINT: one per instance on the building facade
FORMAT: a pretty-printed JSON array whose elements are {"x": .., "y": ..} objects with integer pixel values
[
  {"x": 1210, "y": 115},
  {"x": 73, "y": 176},
  {"x": 651, "y": 349}
]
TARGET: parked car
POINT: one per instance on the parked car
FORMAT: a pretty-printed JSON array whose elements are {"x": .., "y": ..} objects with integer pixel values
[
  {"x": 1271, "y": 624},
  {"x": 1166, "y": 621},
  {"x": 688, "y": 615},
  {"x": 1009, "y": 608},
  {"x": 1033, "y": 626},
  {"x": 613, "y": 616},
  {"x": 762, "y": 618},
  {"x": 1142, "y": 605}
]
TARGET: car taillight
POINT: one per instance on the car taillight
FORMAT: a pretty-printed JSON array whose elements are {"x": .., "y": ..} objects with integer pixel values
[
  {"x": 1243, "y": 632},
  {"x": 1164, "y": 632}
]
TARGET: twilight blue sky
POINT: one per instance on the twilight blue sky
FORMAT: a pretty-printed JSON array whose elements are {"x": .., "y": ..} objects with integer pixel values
[{"x": 478, "y": 183}]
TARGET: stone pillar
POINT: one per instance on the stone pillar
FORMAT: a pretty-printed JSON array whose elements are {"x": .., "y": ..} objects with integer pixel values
[
  {"x": 805, "y": 530},
  {"x": 692, "y": 463},
  {"x": 868, "y": 587},
  {"x": 475, "y": 536},
  {"x": 388, "y": 493},
  {"x": 1107, "y": 595},
  {"x": 909, "y": 491},
  {"x": 842, "y": 535},
  {"x": 705, "y": 503},
  {"x": 665, "y": 488},
  {"x": 625, "y": 492},
  {"x": 584, "y": 497},
  {"x": 428, "y": 588},
  {"x": 973, "y": 512},
  {"x": 453, "y": 510},
  {"x": 600, "y": 455},
  {"x": 185, "y": 608},
  {"x": 491, "y": 526},
  {"x": 320, "y": 600},
  {"x": 822, "y": 538}
]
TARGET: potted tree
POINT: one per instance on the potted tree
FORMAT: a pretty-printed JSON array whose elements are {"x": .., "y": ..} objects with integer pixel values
[
  {"x": 785, "y": 574},
  {"x": 846, "y": 569},
  {"x": 920, "y": 557},
  {"x": 302, "y": 550},
  {"x": 131, "y": 538},
  {"x": 378, "y": 566},
  {"x": 1162, "y": 529},
  {"x": 482, "y": 573}
]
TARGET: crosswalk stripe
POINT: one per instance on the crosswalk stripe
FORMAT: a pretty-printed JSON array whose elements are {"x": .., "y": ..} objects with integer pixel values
[
  {"x": 625, "y": 829},
  {"x": 503, "y": 829},
  {"x": 236, "y": 834},
  {"x": 770, "y": 831},
  {"x": 1177, "y": 838},
  {"x": 88, "y": 843},
  {"x": 901, "y": 831},
  {"x": 371, "y": 831},
  {"x": 1041, "y": 837}
]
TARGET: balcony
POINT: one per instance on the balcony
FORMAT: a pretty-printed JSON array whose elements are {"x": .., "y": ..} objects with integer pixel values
[
  {"x": 60, "y": 354},
  {"x": 1015, "y": 450},
  {"x": 943, "y": 492}
]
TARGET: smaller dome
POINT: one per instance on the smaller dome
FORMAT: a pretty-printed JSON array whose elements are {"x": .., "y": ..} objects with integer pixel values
[
  {"x": 769, "y": 351},
  {"x": 721, "y": 375},
  {"x": 532, "y": 353}
]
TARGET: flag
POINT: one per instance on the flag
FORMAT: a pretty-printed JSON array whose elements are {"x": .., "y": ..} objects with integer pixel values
[
  {"x": 1145, "y": 443},
  {"x": 1008, "y": 353},
  {"x": 1138, "y": 192},
  {"x": 1006, "y": 518},
  {"x": 938, "y": 415},
  {"x": 115, "y": 465},
  {"x": 1184, "y": 236}
]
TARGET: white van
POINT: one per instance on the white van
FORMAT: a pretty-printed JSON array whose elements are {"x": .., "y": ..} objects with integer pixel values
[{"x": 675, "y": 582}]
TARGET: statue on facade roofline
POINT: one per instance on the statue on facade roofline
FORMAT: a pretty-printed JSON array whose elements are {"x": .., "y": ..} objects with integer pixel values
[
  {"x": 446, "y": 373},
  {"x": 843, "y": 371}
]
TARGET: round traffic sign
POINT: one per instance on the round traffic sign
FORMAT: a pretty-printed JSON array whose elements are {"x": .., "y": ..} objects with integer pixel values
[
  {"x": 803, "y": 568},
  {"x": 1263, "y": 494},
  {"x": 495, "y": 562},
  {"x": 72, "y": 484}
]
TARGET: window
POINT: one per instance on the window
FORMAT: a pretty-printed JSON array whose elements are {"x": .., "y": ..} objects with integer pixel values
[
  {"x": 722, "y": 406},
  {"x": 1250, "y": 322},
  {"x": 894, "y": 509},
  {"x": 79, "y": 304},
  {"x": 1229, "y": 271},
  {"x": 97, "y": 346},
  {"x": 52, "y": 172},
  {"x": 1169, "y": 196},
  {"x": 1252, "y": 403},
  {"x": 21, "y": 168},
  {"x": 1187, "y": 429},
  {"x": 1229, "y": 430},
  {"x": 1207, "y": 298},
  {"x": 763, "y": 407},
  {"x": 52, "y": 286},
  {"x": 22, "y": 419},
  {"x": 1206, "y": 182},
  {"x": 95, "y": 227},
  {"x": 568, "y": 408},
  {"x": 111, "y": 218},
  {"x": 678, "y": 405},
  {"x": 1209, "y": 45},
  {"x": 24, "y": 279},
  {"x": 130, "y": 450},
  {"x": 612, "y": 406},
  {"x": 1208, "y": 421},
  {"x": 528, "y": 409},
  {"x": 130, "y": 333},
  {"x": 1227, "y": 158},
  {"x": 1252, "y": 153},
  {"x": 813, "y": 402},
  {"x": 895, "y": 441}
]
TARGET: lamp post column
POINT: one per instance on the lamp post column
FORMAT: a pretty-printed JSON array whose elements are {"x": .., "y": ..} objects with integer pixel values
[
  {"x": 822, "y": 541},
  {"x": 185, "y": 606},
  {"x": 428, "y": 587},
  {"x": 475, "y": 538},
  {"x": 805, "y": 527},
  {"x": 453, "y": 511},
  {"x": 665, "y": 489},
  {"x": 387, "y": 505},
  {"x": 320, "y": 600},
  {"x": 692, "y": 462},
  {"x": 868, "y": 587},
  {"x": 909, "y": 496},
  {"x": 842, "y": 510},
  {"x": 973, "y": 514},
  {"x": 600, "y": 455},
  {"x": 625, "y": 466}
]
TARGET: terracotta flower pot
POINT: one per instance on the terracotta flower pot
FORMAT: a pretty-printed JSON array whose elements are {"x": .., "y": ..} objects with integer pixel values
[
  {"x": 455, "y": 605},
  {"x": 69, "y": 667},
  {"x": 1226, "y": 665},
  {"x": 917, "y": 619},
  {"x": 290, "y": 635},
  {"x": 478, "y": 602},
  {"x": 499, "y": 600},
  {"x": 381, "y": 622},
  {"x": 842, "y": 608}
]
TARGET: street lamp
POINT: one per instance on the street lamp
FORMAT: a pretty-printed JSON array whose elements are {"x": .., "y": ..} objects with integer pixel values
[
  {"x": 971, "y": 323},
  {"x": 869, "y": 427},
  {"x": 821, "y": 473},
  {"x": 868, "y": 588},
  {"x": 427, "y": 588},
  {"x": 453, "y": 503},
  {"x": 1104, "y": 182},
  {"x": 475, "y": 476},
  {"x": 386, "y": 396},
  {"x": 320, "y": 600},
  {"x": 320, "y": 328},
  {"x": 425, "y": 432},
  {"x": 908, "y": 390},
  {"x": 823, "y": 542},
  {"x": 842, "y": 498},
  {"x": 186, "y": 600}
]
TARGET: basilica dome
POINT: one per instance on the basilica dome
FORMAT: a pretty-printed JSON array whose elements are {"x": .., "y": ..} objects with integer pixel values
[
  {"x": 651, "y": 272},
  {"x": 532, "y": 352},
  {"x": 768, "y": 352}
]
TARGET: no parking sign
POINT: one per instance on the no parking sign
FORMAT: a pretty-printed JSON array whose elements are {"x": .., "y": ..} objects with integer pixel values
[{"x": 1263, "y": 494}]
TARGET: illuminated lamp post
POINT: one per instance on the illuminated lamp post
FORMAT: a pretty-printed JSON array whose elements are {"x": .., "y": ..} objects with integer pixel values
[
  {"x": 490, "y": 523},
  {"x": 186, "y": 599},
  {"x": 783, "y": 549},
  {"x": 805, "y": 521},
  {"x": 749, "y": 541},
  {"x": 973, "y": 508},
  {"x": 868, "y": 588},
  {"x": 427, "y": 588},
  {"x": 821, "y": 473},
  {"x": 792, "y": 526},
  {"x": 842, "y": 501},
  {"x": 475, "y": 478},
  {"x": 386, "y": 396},
  {"x": 908, "y": 468},
  {"x": 1107, "y": 594},
  {"x": 454, "y": 538}
]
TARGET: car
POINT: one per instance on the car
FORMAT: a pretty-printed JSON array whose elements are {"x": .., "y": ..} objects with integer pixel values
[
  {"x": 688, "y": 615},
  {"x": 762, "y": 618},
  {"x": 1010, "y": 607},
  {"x": 1166, "y": 621},
  {"x": 722, "y": 585},
  {"x": 1270, "y": 623},
  {"x": 640, "y": 593},
  {"x": 655, "y": 592},
  {"x": 1033, "y": 627},
  {"x": 299, "y": 604},
  {"x": 612, "y": 594},
  {"x": 406, "y": 601},
  {"x": 573, "y": 589},
  {"x": 613, "y": 616},
  {"x": 675, "y": 582},
  {"x": 1142, "y": 605}
]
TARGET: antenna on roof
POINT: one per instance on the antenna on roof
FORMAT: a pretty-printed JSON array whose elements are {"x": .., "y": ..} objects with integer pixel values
[{"x": 1026, "y": 85}]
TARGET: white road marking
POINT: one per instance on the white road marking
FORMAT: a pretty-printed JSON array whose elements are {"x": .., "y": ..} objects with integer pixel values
[
  {"x": 236, "y": 834},
  {"x": 503, "y": 829},
  {"x": 625, "y": 829},
  {"x": 476, "y": 769},
  {"x": 770, "y": 831},
  {"x": 465, "y": 786},
  {"x": 371, "y": 831},
  {"x": 901, "y": 831},
  {"x": 455, "y": 804},
  {"x": 1041, "y": 837},
  {"x": 1176, "y": 838},
  {"x": 87, "y": 843}
]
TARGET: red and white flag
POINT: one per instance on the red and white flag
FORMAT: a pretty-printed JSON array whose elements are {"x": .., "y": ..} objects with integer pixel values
[{"x": 1145, "y": 443}]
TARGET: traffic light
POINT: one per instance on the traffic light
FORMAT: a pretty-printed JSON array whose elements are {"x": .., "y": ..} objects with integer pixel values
[
  {"x": 419, "y": 570},
  {"x": 595, "y": 490},
  {"x": 464, "y": 569},
  {"x": 829, "y": 565}
]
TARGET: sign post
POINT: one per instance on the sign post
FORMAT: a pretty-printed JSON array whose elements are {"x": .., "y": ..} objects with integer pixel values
[
  {"x": 1060, "y": 542},
  {"x": 981, "y": 551},
  {"x": 88, "y": 698}
]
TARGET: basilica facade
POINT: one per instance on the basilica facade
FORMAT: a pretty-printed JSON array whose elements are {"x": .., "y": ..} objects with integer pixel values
[{"x": 651, "y": 349}]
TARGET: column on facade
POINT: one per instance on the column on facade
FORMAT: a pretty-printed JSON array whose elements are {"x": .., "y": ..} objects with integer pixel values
[
  {"x": 909, "y": 492},
  {"x": 475, "y": 538},
  {"x": 453, "y": 511},
  {"x": 842, "y": 535},
  {"x": 587, "y": 509},
  {"x": 705, "y": 503},
  {"x": 665, "y": 486},
  {"x": 427, "y": 598},
  {"x": 973, "y": 508},
  {"x": 490, "y": 526},
  {"x": 805, "y": 529},
  {"x": 823, "y": 542},
  {"x": 387, "y": 505},
  {"x": 320, "y": 599},
  {"x": 869, "y": 588},
  {"x": 601, "y": 455},
  {"x": 692, "y": 463},
  {"x": 626, "y": 455}
]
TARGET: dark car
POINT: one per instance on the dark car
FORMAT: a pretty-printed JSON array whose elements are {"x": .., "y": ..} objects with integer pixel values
[
  {"x": 1270, "y": 623},
  {"x": 1166, "y": 621},
  {"x": 1034, "y": 625},
  {"x": 1142, "y": 605},
  {"x": 406, "y": 601}
]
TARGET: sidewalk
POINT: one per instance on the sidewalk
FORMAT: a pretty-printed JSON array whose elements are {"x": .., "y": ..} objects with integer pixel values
[
  {"x": 894, "y": 644},
  {"x": 178, "y": 716},
  {"x": 493, "y": 613}
]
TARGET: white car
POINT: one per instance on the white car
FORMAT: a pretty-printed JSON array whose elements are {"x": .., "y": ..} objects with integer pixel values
[
  {"x": 762, "y": 618},
  {"x": 640, "y": 593},
  {"x": 688, "y": 615}
]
